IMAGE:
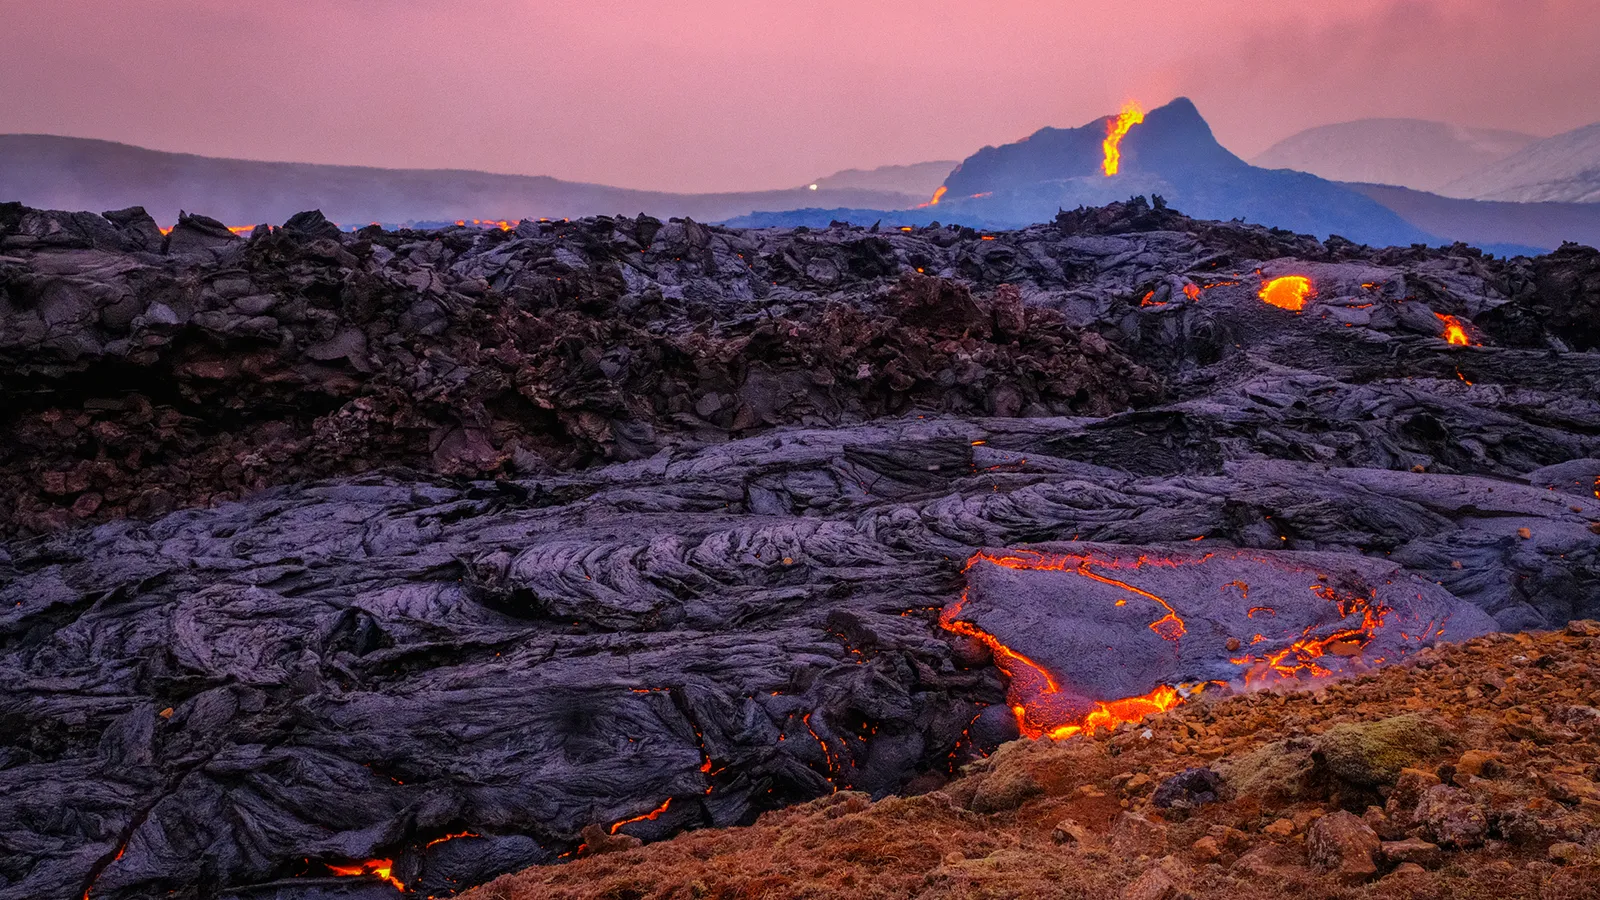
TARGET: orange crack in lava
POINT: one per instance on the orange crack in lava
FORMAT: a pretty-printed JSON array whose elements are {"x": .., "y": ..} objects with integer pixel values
[
  {"x": 1289, "y": 292},
  {"x": 380, "y": 868},
  {"x": 1454, "y": 331},
  {"x": 1301, "y": 656},
  {"x": 651, "y": 816},
  {"x": 451, "y": 837},
  {"x": 1191, "y": 291},
  {"x": 1029, "y": 680},
  {"x": 1116, "y": 130}
]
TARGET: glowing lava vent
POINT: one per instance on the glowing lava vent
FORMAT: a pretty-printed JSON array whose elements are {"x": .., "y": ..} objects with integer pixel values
[
  {"x": 1454, "y": 331},
  {"x": 1289, "y": 292},
  {"x": 1116, "y": 130},
  {"x": 1093, "y": 635},
  {"x": 382, "y": 869}
]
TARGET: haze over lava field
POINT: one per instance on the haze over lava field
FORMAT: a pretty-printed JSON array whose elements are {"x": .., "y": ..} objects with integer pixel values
[{"x": 341, "y": 565}]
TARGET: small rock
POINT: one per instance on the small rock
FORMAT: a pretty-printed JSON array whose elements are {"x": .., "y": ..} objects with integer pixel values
[
  {"x": 1133, "y": 831},
  {"x": 1342, "y": 845},
  {"x": 1412, "y": 850},
  {"x": 1188, "y": 789},
  {"x": 1407, "y": 793},
  {"x": 1585, "y": 627},
  {"x": 1280, "y": 828},
  {"x": 1068, "y": 831},
  {"x": 1449, "y": 816},
  {"x": 1405, "y": 869},
  {"x": 1155, "y": 884},
  {"x": 1479, "y": 764},
  {"x": 1564, "y": 852},
  {"x": 1206, "y": 849},
  {"x": 1568, "y": 788}
]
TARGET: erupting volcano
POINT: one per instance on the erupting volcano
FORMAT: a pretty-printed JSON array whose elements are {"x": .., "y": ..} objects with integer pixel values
[
  {"x": 1116, "y": 130},
  {"x": 1093, "y": 636}
]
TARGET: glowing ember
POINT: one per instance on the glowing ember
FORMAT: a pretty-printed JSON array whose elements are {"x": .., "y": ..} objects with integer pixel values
[
  {"x": 1116, "y": 130},
  {"x": 1289, "y": 292},
  {"x": 1454, "y": 331},
  {"x": 378, "y": 868}
]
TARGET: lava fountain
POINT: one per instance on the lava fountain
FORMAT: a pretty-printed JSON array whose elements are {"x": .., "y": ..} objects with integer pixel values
[
  {"x": 1091, "y": 636},
  {"x": 1116, "y": 130}
]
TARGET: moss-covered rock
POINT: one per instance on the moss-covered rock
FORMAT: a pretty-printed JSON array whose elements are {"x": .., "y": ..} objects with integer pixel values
[{"x": 1370, "y": 754}]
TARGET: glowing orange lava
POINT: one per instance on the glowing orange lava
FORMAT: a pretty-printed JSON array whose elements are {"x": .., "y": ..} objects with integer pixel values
[
  {"x": 938, "y": 195},
  {"x": 1116, "y": 130},
  {"x": 379, "y": 868},
  {"x": 1454, "y": 331},
  {"x": 1191, "y": 291},
  {"x": 651, "y": 816},
  {"x": 1289, "y": 292},
  {"x": 1300, "y": 658}
]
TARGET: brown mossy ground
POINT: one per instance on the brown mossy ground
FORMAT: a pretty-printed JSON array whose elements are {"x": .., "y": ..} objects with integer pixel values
[{"x": 1518, "y": 733}]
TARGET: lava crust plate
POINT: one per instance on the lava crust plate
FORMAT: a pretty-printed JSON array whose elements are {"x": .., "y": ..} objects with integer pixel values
[{"x": 1082, "y": 625}]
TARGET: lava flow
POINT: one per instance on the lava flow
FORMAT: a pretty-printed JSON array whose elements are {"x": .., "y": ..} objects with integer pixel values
[
  {"x": 1289, "y": 292},
  {"x": 1066, "y": 628},
  {"x": 1032, "y": 686},
  {"x": 1116, "y": 130},
  {"x": 379, "y": 868},
  {"x": 1454, "y": 331}
]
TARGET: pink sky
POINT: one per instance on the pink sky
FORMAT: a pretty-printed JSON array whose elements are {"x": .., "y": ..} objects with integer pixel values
[{"x": 746, "y": 94}]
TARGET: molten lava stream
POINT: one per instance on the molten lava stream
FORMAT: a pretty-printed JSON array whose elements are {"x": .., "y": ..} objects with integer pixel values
[
  {"x": 1289, "y": 292},
  {"x": 379, "y": 868},
  {"x": 1116, "y": 130},
  {"x": 1033, "y": 693}
]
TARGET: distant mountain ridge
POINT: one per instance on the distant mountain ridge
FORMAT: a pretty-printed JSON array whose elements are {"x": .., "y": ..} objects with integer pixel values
[
  {"x": 1564, "y": 168},
  {"x": 1412, "y": 153},
  {"x": 1172, "y": 153},
  {"x": 1175, "y": 155},
  {"x": 78, "y": 173}
]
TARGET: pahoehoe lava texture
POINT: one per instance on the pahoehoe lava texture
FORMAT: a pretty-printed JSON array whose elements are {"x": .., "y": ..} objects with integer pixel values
[
  {"x": 1111, "y": 622},
  {"x": 508, "y": 534}
]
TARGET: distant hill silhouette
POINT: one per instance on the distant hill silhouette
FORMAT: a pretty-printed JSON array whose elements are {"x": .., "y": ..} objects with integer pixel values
[
  {"x": 917, "y": 179},
  {"x": 76, "y": 173},
  {"x": 1565, "y": 168},
  {"x": 1411, "y": 153}
]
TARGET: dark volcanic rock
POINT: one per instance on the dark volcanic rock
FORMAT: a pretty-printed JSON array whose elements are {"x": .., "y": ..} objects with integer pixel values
[{"x": 325, "y": 548}]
